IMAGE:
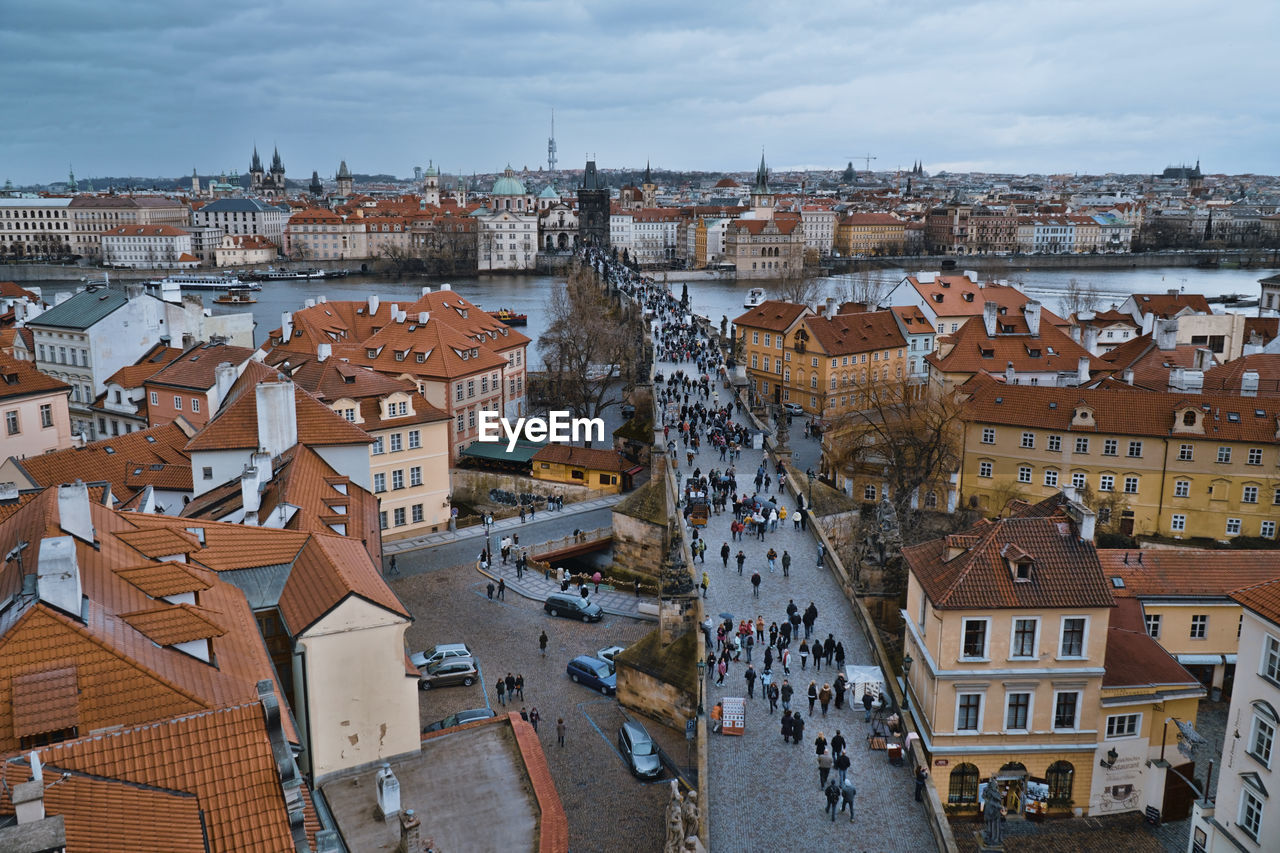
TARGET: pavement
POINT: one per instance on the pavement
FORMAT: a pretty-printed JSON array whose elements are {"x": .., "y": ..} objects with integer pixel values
[
  {"x": 763, "y": 793},
  {"x": 535, "y": 586}
]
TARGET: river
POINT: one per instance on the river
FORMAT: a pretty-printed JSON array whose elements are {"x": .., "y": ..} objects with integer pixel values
[{"x": 527, "y": 294}]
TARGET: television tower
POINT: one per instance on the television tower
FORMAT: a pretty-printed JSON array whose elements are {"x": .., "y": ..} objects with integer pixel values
[{"x": 551, "y": 144}]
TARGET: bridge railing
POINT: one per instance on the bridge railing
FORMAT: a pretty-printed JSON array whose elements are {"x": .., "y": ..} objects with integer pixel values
[{"x": 583, "y": 537}]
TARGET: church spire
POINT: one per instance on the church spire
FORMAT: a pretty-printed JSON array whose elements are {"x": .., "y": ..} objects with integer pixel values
[
  {"x": 648, "y": 173},
  {"x": 276, "y": 165},
  {"x": 762, "y": 177},
  {"x": 256, "y": 165},
  {"x": 71, "y": 178}
]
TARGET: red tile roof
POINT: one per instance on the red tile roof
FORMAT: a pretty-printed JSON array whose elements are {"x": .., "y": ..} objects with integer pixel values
[
  {"x": 113, "y": 460},
  {"x": 772, "y": 315},
  {"x": 1261, "y": 598},
  {"x": 1166, "y": 305},
  {"x": 236, "y": 424},
  {"x": 1226, "y": 378},
  {"x": 1052, "y": 351},
  {"x": 594, "y": 458},
  {"x": 329, "y": 570},
  {"x": 1134, "y": 659},
  {"x": 855, "y": 333},
  {"x": 19, "y": 379},
  {"x": 194, "y": 369},
  {"x": 1186, "y": 573}
]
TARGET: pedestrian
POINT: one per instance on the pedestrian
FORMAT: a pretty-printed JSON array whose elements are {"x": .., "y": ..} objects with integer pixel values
[
  {"x": 786, "y": 564},
  {"x": 717, "y": 717},
  {"x": 921, "y": 776},
  {"x": 837, "y": 743},
  {"x": 522, "y": 513},
  {"x": 797, "y": 727},
  {"x": 502, "y": 692},
  {"x": 524, "y": 715},
  {"x": 542, "y": 644},
  {"x": 840, "y": 656},
  {"x": 773, "y": 697},
  {"x": 520, "y": 685},
  {"x": 755, "y": 584},
  {"x": 786, "y": 726},
  {"x": 837, "y": 690},
  {"x": 725, "y": 551},
  {"x": 741, "y": 558},
  {"x": 824, "y": 768},
  {"x": 560, "y": 731},
  {"x": 534, "y": 717},
  {"x": 829, "y": 648},
  {"x": 722, "y": 669},
  {"x": 772, "y": 557},
  {"x": 787, "y": 692},
  {"x": 768, "y": 657},
  {"x": 866, "y": 703},
  {"x": 393, "y": 570},
  {"x": 795, "y": 624},
  {"x": 502, "y": 589},
  {"x": 822, "y": 549},
  {"x": 847, "y": 793},
  {"x": 706, "y": 582},
  {"x": 785, "y": 658},
  {"x": 832, "y": 793},
  {"x": 842, "y": 765},
  {"x": 824, "y": 698},
  {"x": 813, "y": 695},
  {"x": 637, "y": 582},
  {"x": 760, "y": 627},
  {"x": 750, "y": 676},
  {"x": 804, "y": 654},
  {"x": 819, "y": 744},
  {"x": 489, "y": 588}
]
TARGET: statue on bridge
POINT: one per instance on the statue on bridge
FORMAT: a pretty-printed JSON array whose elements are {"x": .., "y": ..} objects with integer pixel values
[{"x": 993, "y": 814}]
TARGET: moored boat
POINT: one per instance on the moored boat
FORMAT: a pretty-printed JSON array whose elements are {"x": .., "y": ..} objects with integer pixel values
[
  {"x": 755, "y": 297},
  {"x": 196, "y": 281},
  {"x": 511, "y": 318},
  {"x": 236, "y": 296}
]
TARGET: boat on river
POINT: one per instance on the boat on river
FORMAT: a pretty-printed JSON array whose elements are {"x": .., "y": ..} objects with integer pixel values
[
  {"x": 196, "y": 281},
  {"x": 511, "y": 318},
  {"x": 755, "y": 298},
  {"x": 236, "y": 296}
]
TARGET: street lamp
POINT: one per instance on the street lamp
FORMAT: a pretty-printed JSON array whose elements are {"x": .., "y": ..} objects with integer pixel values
[
  {"x": 702, "y": 669},
  {"x": 906, "y": 682},
  {"x": 812, "y": 477},
  {"x": 488, "y": 525}
]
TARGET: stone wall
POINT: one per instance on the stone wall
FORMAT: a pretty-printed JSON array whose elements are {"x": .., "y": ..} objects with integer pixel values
[
  {"x": 472, "y": 486},
  {"x": 639, "y": 545}
]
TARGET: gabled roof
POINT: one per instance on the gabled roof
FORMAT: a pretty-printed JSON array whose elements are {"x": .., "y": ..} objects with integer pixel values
[
  {"x": 236, "y": 424},
  {"x": 1065, "y": 571},
  {"x": 1134, "y": 659},
  {"x": 82, "y": 310},
  {"x": 330, "y": 570},
  {"x": 595, "y": 458},
  {"x": 1151, "y": 365},
  {"x": 1167, "y": 305},
  {"x": 113, "y": 460},
  {"x": 195, "y": 368},
  {"x": 974, "y": 351},
  {"x": 1159, "y": 573},
  {"x": 1261, "y": 598},
  {"x": 154, "y": 359},
  {"x": 849, "y": 333},
  {"x": 772, "y": 315},
  {"x": 1226, "y": 378},
  {"x": 20, "y": 379}
]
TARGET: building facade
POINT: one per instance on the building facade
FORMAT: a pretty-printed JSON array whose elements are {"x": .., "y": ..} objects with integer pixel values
[{"x": 148, "y": 247}]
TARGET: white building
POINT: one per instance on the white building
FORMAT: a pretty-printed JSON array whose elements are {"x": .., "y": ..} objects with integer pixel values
[
  {"x": 655, "y": 233},
  {"x": 508, "y": 235},
  {"x": 819, "y": 228},
  {"x": 245, "y": 216},
  {"x": 621, "y": 235},
  {"x": 1242, "y": 816},
  {"x": 32, "y": 227},
  {"x": 148, "y": 247}
]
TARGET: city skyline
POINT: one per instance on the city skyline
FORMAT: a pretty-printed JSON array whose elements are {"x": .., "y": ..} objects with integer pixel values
[{"x": 152, "y": 90}]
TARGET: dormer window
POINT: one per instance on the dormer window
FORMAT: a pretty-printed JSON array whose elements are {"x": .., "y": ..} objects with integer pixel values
[
  {"x": 1022, "y": 571},
  {"x": 1189, "y": 418},
  {"x": 400, "y": 354},
  {"x": 421, "y": 357},
  {"x": 371, "y": 353}
]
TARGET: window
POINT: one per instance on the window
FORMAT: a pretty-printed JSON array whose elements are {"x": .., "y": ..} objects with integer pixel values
[
  {"x": 415, "y": 476},
  {"x": 1050, "y": 477},
  {"x": 46, "y": 415},
  {"x": 1024, "y": 638},
  {"x": 1017, "y": 711},
  {"x": 1250, "y": 819},
  {"x": 1059, "y": 776},
  {"x": 1123, "y": 725},
  {"x": 1024, "y": 473},
  {"x": 869, "y": 493},
  {"x": 984, "y": 469},
  {"x": 1073, "y": 631},
  {"x": 457, "y": 391},
  {"x": 378, "y": 449},
  {"x": 177, "y": 403},
  {"x": 768, "y": 339},
  {"x": 155, "y": 398},
  {"x": 1233, "y": 527},
  {"x": 1250, "y": 495},
  {"x": 471, "y": 388},
  {"x": 755, "y": 337},
  {"x": 1082, "y": 445},
  {"x": 968, "y": 711},
  {"x": 1029, "y": 440},
  {"x": 1078, "y": 480},
  {"x": 195, "y": 404},
  {"x": 11, "y": 422},
  {"x": 1199, "y": 626},
  {"x": 1255, "y": 455},
  {"x": 1153, "y": 625},
  {"x": 1263, "y": 736},
  {"x": 379, "y": 483},
  {"x": 415, "y": 439},
  {"x": 1110, "y": 447},
  {"x": 1065, "y": 705},
  {"x": 1130, "y": 485},
  {"x": 988, "y": 435},
  {"x": 1106, "y": 483},
  {"x": 1178, "y": 523},
  {"x": 1224, "y": 454},
  {"x": 382, "y": 519},
  {"x": 399, "y": 516},
  {"x": 1181, "y": 488},
  {"x": 963, "y": 787},
  {"x": 417, "y": 513},
  {"x": 397, "y": 479},
  {"x": 1135, "y": 448},
  {"x": 1055, "y": 443},
  {"x": 1270, "y": 659},
  {"x": 1186, "y": 453},
  {"x": 460, "y": 423},
  {"x": 975, "y": 639},
  {"x": 1267, "y": 530}
]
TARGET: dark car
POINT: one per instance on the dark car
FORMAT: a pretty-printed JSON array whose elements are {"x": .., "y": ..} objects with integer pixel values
[
  {"x": 449, "y": 673},
  {"x": 572, "y": 606},
  {"x": 594, "y": 673},
  {"x": 639, "y": 750},
  {"x": 459, "y": 718}
]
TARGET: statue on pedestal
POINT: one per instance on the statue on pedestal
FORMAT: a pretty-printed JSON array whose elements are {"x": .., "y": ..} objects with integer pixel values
[{"x": 993, "y": 813}]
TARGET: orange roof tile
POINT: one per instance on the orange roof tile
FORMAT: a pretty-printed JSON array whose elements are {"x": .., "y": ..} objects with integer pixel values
[
  {"x": 160, "y": 542},
  {"x": 20, "y": 379},
  {"x": 595, "y": 458},
  {"x": 328, "y": 571},
  {"x": 111, "y": 459},
  {"x": 194, "y": 369},
  {"x": 1166, "y": 305},
  {"x": 1187, "y": 574},
  {"x": 1262, "y": 598},
  {"x": 165, "y": 578},
  {"x": 174, "y": 624},
  {"x": 45, "y": 701},
  {"x": 849, "y": 333},
  {"x": 974, "y": 351},
  {"x": 236, "y": 424},
  {"x": 772, "y": 315},
  {"x": 1226, "y": 378},
  {"x": 1134, "y": 659}
]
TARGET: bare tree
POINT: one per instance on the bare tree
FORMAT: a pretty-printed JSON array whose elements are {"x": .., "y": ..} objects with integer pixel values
[
  {"x": 863, "y": 287},
  {"x": 592, "y": 346},
  {"x": 901, "y": 432},
  {"x": 1078, "y": 297},
  {"x": 798, "y": 289}
]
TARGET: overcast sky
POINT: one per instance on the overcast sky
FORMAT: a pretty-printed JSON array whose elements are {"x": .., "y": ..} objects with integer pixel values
[{"x": 146, "y": 87}]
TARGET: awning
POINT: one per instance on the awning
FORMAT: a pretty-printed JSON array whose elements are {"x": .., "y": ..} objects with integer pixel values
[
  {"x": 1229, "y": 659},
  {"x": 631, "y": 472},
  {"x": 1200, "y": 660}
]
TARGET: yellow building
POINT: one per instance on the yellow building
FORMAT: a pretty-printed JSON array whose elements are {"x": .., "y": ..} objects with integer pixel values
[
  {"x": 870, "y": 234},
  {"x": 599, "y": 470},
  {"x": 763, "y": 332},
  {"x": 1175, "y": 464}
]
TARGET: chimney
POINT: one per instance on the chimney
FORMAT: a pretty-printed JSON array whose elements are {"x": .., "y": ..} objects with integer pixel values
[
  {"x": 73, "y": 511},
  {"x": 310, "y": 303},
  {"x": 409, "y": 826},
  {"x": 395, "y": 313},
  {"x": 373, "y": 304},
  {"x": 388, "y": 792},
  {"x": 1204, "y": 359},
  {"x": 1031, "y": 311},
  {"x": 1249, "y": 383},
  {"x": 322, "y": 299},
  {"x": 255, "y": 476},
  {"x": 831, "y": 307},
  {"x": 426, "y": 288},
  {"x": 446, "y": 286},
  {"x": 286, "y": 326},
  {"x": 188, "y": 340},
  {"x": 224, "y": 376},
  {"x": 58, "y": 575},
  {"x": 423, "y": 317},
  {"x": 1166, "y": 334},
  {"x": 133, "y": 291},
  {"x": 1091, "y": 339},
  {"x": 1088, "y": 524},
  {"x": 1075, "y": 334},
  {"x": 8, "y": 491},
  {"x": 277, "y": 417},
  {"x": 1010, "y": 375},
  {"x": 1127, "y": 376},
  {"x": 1148, "y": 323},
  {"x": 1082, "y": 370},
  {"x": 28, "y": 797},
  {"x": 990, "y": 315}
]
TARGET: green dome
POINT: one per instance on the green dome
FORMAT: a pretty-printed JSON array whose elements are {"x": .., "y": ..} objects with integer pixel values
[
  {"x": 550, "y": 193},
  {"x": 508, "y": 184}
]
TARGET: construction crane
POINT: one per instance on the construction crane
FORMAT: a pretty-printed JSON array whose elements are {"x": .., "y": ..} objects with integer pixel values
[{"x": 866, "y": 159}]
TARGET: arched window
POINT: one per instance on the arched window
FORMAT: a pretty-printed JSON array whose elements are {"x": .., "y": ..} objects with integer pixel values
[
  {"x": 1059, "y": 776},
  {"x": 964, "y": 785},
  {"x": 1189, "y": 418}
]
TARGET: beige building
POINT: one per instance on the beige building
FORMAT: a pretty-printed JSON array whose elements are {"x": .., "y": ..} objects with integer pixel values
[
  {"x": 148, "y": 247},
  {"x": 765, "y": 248},
  {"x": 240, "y": 250},
  {"x": 33, "y": 409},
  {"x": 94, "y": 215},
  {"x": 869, "y": 234},
  {"x": 33, "y": 227}
]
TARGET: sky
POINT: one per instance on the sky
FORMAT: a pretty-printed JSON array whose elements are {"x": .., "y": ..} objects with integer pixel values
[{"x": 154, "y": 88}]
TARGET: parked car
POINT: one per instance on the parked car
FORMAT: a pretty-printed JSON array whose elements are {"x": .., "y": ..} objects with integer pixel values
[
  {"x": 607, "y": 654},
  {"x": 594, "y": 673},
  {"x": 449, "y": 673},
  {"x": 639, "y": 750},
  {"x": 458, "y": 719},
  {"x": 422, "y": 660},
  {"x": 793, "y": 408},
  {"x": 572, "y": 606}
]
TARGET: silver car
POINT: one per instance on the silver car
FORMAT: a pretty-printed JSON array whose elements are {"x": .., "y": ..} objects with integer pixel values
[
  {"x": 639, "y": 750},
  {"x": 435, "y": 654}
]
